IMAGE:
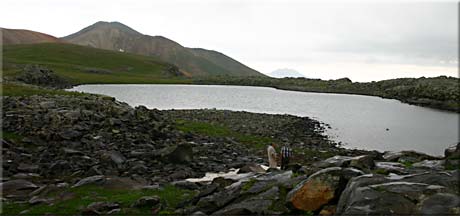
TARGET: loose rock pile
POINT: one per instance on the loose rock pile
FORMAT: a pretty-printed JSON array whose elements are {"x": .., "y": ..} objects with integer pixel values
[{"x": 68, "y": 136}]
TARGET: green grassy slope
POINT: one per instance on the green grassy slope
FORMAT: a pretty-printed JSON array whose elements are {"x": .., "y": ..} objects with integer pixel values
[{"x": 83, "y": 65}]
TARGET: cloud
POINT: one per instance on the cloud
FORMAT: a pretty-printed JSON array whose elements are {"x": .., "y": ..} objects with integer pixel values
[{"x": 258, "y": 33}]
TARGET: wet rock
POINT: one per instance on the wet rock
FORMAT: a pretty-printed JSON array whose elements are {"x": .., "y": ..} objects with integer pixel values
[
  {"x": 146, "y": 201},
  {"x": 99, "y": 179},
  {"x": 320, "y": 188}
]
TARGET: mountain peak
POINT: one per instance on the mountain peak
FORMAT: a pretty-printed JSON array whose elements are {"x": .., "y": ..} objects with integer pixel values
[
  {"x": 285, "y": 72},
  {"x": 104, "y": 25}
]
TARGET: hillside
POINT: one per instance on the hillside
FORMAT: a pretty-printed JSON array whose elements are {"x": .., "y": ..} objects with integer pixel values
[
  {"x": 20, "y": 36},
  {"x": 192, "y": 62},
  {"x": 80, "y": 64}
]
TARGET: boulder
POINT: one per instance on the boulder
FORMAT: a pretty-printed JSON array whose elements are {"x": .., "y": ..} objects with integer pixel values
[
  {"x": 393, "y": 167},
  {"x": 117, "y": 157},
  {"x": 215, "y": 201},
  {"x": 430, "y": 164},
  {"x": 336, "y": 161},
  {"x": 103, "y": 206},
  {"x": 399, "y": 194},
  {"x": 452, "y": 151},
  {"x": 146, "y": 201},
  {"x": 17, "y": 185},
  {"x": 259, "y": 204},
  {"x": 407, "y": 156},
  {"x": 363, "y": 162},
  {"x": 252, "y": 167},
  {"x": 182, "y": 153},
  {"x": 320, "y": 188},
  {"x": 440, "y": 204},
  {"x": 98, "y": 179}
]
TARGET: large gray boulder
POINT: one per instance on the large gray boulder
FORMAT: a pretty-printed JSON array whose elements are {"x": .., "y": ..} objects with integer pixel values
[{"x": 399, "y": 194}]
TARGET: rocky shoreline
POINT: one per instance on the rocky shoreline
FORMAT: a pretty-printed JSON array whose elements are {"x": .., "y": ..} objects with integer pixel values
[{"x": 53, "y": 145}]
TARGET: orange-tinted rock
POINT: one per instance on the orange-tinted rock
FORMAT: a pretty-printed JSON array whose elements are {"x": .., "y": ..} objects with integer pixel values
[{"x": 320, "y": 188}]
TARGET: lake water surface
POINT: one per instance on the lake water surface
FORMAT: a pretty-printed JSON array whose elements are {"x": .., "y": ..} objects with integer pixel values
[{"x": 356, "y": 121}]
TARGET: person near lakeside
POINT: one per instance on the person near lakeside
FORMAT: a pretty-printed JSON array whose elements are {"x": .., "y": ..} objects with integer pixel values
[
  {"x": 286, "y": 154},
  {"x": 272, "y": 156}
]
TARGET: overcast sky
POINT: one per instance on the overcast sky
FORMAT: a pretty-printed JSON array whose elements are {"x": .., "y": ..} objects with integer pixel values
[{"x": 362, "y": 41}]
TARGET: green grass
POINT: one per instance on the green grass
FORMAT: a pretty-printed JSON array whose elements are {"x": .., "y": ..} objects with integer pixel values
[
  {"x": 16, "y": 89},
  {"x": 11, "y": 136},
  {"x": 407, "y": 164},
  {"x": 85, "y": 195},
  {"x": 214, "y": 130},
  {"x": 74, "y": 63}
]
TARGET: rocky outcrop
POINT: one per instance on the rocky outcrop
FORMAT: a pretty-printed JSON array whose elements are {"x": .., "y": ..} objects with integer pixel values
[
  {"x": 41, "y": 76},
  {"x": 83, "y": 136}
]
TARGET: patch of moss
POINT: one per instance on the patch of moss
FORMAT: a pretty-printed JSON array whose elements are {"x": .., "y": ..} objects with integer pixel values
[
  {"x": 8, "y": 135},
  {"x": 381, "y": 171},
  {"x": 214, "y": 130},
  {"x": 248, "y": 184},
  {"x": 85, "y": 195},
  {"x": 407, "y": 164}
]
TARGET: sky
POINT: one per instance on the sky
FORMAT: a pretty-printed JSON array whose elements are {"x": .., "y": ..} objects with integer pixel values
[{"x": 365, "y": 41}]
